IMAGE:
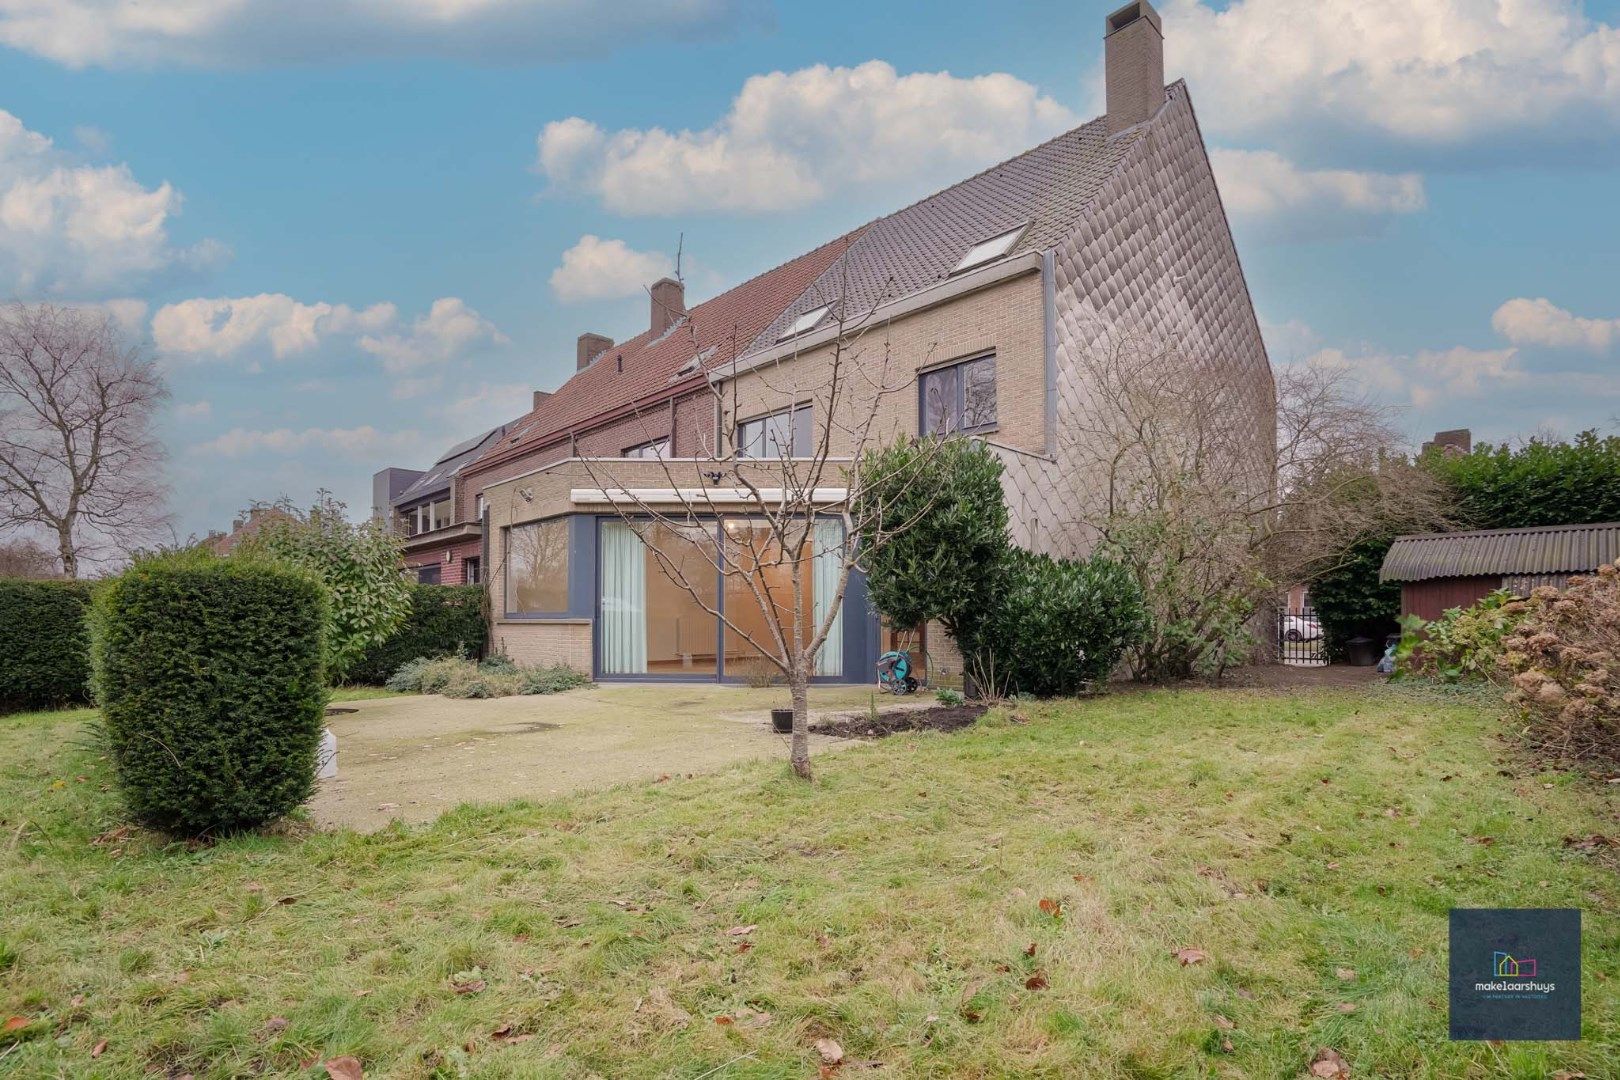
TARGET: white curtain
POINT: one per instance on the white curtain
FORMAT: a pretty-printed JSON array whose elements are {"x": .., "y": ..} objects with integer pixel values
[
  {"x": 624, "y": 601},
  {"x": 829, "y": 565}
]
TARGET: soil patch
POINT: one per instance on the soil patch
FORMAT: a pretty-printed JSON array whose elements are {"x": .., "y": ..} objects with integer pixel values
[{"x": 894, "y": 721}]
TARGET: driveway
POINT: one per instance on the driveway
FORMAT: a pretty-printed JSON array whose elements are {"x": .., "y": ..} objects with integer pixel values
[{"x": 414, "y": 757}]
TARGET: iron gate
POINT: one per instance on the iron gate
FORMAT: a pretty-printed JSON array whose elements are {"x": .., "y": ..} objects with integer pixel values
[{"x": 1299, "y": 638}]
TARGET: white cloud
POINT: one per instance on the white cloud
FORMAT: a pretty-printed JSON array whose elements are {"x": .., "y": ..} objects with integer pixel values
[
  {"x": 364, "y": 440},
  {"x": 75, "y": 229},
  {"x": 1265, "y": 186},
  {"x": 1425, "y": 377},
  {"x": 1541, "y": 322},
  {"x": 224, "y": 33},
  {"x": 1431, "y": 74},
  {"x": 791, "y": 138},
  {"x": 597, "y": 269},
  {"x": 449, "y": 327},
  {"x": 224, "y": 326},
  {"x": 191, "y": 410}
]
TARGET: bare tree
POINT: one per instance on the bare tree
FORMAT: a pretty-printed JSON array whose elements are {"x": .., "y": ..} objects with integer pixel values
[
  {"x": 768, "y": 488},
  {"x": 77, "y": 454},
  {"x": 1215, "y": 490},
  {"x": 26, "y": 559}
]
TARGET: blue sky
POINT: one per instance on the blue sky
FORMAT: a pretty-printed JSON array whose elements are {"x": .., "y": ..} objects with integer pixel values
[{"x": 355, "y": 232}]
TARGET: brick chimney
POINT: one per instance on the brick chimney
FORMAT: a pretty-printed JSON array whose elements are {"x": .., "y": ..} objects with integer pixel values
[
  {"x": 1133, "y": 58},
  {"x": 1455, "y": 441},
  {"x": 668, "y": 304},
  {"x": 590, "y": 346},
  {"x": 539, "y": 396}
]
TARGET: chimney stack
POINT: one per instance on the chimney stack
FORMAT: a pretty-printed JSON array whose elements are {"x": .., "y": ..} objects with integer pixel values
[
  {"x": 668, "y": 304},
  {"x": 589, "y": 348},
  {"x": 539, "y": 396},
  {"x": 1133, "y": 59},
  {"x": 1455, "y": 441}
]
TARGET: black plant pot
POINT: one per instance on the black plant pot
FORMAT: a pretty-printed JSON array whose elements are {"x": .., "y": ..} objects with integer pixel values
[{"x": 782, "y": 721}]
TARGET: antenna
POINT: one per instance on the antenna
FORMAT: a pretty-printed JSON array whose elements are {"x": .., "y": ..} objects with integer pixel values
[{"x": 680, "y": 246}]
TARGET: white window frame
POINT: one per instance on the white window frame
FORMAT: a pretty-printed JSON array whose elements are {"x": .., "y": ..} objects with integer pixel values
[
  {"x": 805, "y": 323},
  {"x": 769, "y": 430},
  {"x": 991, "y": 248}
]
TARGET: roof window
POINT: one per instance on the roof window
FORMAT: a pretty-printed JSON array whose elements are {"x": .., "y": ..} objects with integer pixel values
[
  {"x": 805, "y": 323},
  {"x": 993, "y": 248}
]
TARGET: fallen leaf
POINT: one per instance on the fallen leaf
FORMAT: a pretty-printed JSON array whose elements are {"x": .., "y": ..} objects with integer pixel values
[
  {"x": 15, "y": 1023},
  {"x": 1029, "y": 950},
  {"x": 1051, "y": 907},
  {"x": 1345, "y": 974},
  {"x": 1347, "y": 1007},
  {"x": 831, "y": 1053},
  {"x": 344, "y": 1068},
  {"x": 76, "y": 1000},
  {"x": 724, "y": 1021},
  {"x": 1036, "y": 981},
  {"x": 468, "y": 985},
  {"x": 1223, "y": 1023},
  {"x": 1565, "y": 1074},
  {"x": 1328, "y": 1065},
  {"x": 1332, "y": 866},
  {"x": 1226, "y": 1045},
  {"x": 1483, "y": 841},
  {"x": 744, "y": 946},
  {"x": 753, "y": 1019},
  {"x": 98, "y": 1049},
  {"x": 739, "y": 931},
  {"x": 1190, "y": 956},
  {"x": 276, "y": 1024},
  {"x": 1246, "y": 994},
  {"x": 1084, "y": 879}
]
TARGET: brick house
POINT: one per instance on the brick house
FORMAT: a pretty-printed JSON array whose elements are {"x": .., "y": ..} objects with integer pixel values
[
  {"x": 442, "y": 528},
  {"x": 986, "y": 295}
]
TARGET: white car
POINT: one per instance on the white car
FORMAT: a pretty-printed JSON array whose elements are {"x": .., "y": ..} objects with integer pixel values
[{"x": 1301, "y": 627}]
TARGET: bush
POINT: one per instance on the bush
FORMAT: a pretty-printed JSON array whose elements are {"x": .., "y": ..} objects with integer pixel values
[
  {"x": 1538, "y": 483},
  {"x": 1059, "y": 627},
  {"x": 1563, "y": 659},
  {"x": 1351, "y": 602},
  {"x": 460, "y": 677},
  {"x": 1462, "y": 645},
  {"x": 212, "y": 687},
  {"x": 444, "y": 620},
  {"x": 44, "y": 647}
]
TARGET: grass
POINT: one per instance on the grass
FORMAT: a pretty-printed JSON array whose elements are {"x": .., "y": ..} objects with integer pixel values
[{"x": 892, "y": 905}]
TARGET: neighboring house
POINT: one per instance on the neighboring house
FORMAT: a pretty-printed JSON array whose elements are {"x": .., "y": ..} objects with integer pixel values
[
  {"x": 441, "y": 525},
  {"x": 986, "y": 298},
  {"x": 1438, "y": 571},
  {"x": 251, "y": 522}
]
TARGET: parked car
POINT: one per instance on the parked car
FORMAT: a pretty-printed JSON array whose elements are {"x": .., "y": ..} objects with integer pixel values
[{"x": 1301, "y": 627}]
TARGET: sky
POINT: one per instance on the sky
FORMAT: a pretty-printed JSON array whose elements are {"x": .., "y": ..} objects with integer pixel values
[{"x": 355, "y": 232}]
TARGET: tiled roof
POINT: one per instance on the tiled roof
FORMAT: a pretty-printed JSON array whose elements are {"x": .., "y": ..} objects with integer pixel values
[
  {"x": 726, "y": 323},
  {"x": 1047, "y": 188},
  {"x": 1552, "y": 549},
  {"x": 444, "y": 470}
]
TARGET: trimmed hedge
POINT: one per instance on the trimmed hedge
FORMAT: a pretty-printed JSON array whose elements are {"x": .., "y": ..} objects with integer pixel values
[
  {"x": 445, "y": 620},
  {"x": 1058, "y": 627},
  {"x": 44, "y": 646},
  {"x": 211, "y": 678}
]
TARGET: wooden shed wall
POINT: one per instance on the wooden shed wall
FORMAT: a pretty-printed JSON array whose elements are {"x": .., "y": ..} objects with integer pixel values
[{"x": 1429, "y": 599}]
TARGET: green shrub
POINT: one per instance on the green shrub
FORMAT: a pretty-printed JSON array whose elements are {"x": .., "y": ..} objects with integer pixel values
[
  {"x": 1351, "y": 602},
  {"x": 1536, "y": 483},
  {"x": 44, "y": 647},
  {"x": 1059, "y": 627},
  {"x": 444, "y": 620},
  {"x": 948, "y": 697},
  {"x": 212, "y": 687},
  {"x": 1463, "y": 644},
  {"x": 460, "y": 677}
]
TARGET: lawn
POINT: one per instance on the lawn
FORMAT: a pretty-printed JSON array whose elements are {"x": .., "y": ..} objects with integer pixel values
[{"x": 1006, "y": 901}]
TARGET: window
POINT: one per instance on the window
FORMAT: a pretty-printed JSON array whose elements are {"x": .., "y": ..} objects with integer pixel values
[
  {"x": 427, "y": 575},
  {"x": 805, "y": 323},
  {"x": 959, "y": 398},
  {"x": 480, "y": 505},
  {"x": 656, "y": 450},
  {"x": 993, "y": 248},
  {"x": 781, "y": 434},
  {"x": 441, "y": 514},
  {"x": 537, "y": 567},
  {"x": 472, "y": 571}
]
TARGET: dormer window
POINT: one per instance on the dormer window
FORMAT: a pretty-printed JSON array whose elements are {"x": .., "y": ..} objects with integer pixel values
[
  {"x": 990, "y": 249},
  {"x": 805, "y": 323}
]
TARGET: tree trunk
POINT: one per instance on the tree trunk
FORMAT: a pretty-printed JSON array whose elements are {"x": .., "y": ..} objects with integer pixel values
[
  {"x": 799, "y": 682},
  {"x": 64, "y": 547}
]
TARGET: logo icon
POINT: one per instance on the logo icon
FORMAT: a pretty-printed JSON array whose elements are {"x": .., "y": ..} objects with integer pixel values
[{"x": 1507, "y": 966}]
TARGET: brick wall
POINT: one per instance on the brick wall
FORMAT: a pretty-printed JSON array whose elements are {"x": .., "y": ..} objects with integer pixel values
[
  {"x": 453, "y": 572},
  {"x": 544, "y": 643}
]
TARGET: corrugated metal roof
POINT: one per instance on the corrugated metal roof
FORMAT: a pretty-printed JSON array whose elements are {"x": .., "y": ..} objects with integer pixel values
[{"x": 1552, "y": 549}]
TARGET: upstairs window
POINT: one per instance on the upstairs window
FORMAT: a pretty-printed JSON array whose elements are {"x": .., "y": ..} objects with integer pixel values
[
  {"x": 656, "y": 450},
  {"x": 959, "y": 398},
  {"x": 781, "y": 434},
  {"x": 805, "y": 323},
  {"x": 990, "y": 249}
]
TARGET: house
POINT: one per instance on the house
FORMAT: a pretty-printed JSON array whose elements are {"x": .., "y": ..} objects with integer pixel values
[
  {"x": 986, "y": 297},
  {"x": 1438, "y": 571},
  {"x": 245, "y": 525},
  {"x": 442, "y": 527}
]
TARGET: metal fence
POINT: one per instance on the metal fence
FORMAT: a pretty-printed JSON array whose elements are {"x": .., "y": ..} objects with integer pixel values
[{"x": 1299, "y": 638}]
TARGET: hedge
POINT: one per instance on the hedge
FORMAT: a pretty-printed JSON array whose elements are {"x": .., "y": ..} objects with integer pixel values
[
  {"x": 445, "y": 620},
  {"x": 44, "y": 647},
  {"x": 212, "y": 685}
]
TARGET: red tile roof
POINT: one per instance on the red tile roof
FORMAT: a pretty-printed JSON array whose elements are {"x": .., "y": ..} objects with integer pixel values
[{"x": 728, "y": 323}]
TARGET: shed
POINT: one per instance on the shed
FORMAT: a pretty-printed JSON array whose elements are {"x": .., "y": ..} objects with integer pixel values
[{"x": 1446, "y": 570}]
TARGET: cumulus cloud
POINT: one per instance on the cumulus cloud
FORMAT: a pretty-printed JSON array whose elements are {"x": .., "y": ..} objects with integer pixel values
[
  {"x": 225, "y": 33},
  {"x": 73, "y": 229},
  {"x": 598, "y": 269},
  {"x": 449, "y": 327},
  {"x": 1265, "y": 186},
  {"x": 1443, "y": 73},
  {"x": 792, "y": 138},
  {"x": 1427, "y": 376},
  {"x": 1541, "y": 322},
  {"x": 226, "y": 327},
  {"x": 364, "y": 440}
]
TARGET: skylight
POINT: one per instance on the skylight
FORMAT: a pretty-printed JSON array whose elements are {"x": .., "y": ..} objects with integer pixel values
[
  {"x": 806, "y": 322},
  {"x": 993, "y": 248}
]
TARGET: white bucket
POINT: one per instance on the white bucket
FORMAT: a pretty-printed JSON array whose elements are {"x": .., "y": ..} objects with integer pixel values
[{"x": 326, "y": 757}]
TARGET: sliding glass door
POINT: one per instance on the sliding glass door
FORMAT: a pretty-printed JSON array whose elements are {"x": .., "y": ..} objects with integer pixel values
[{"x": 652, "y": 624}]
